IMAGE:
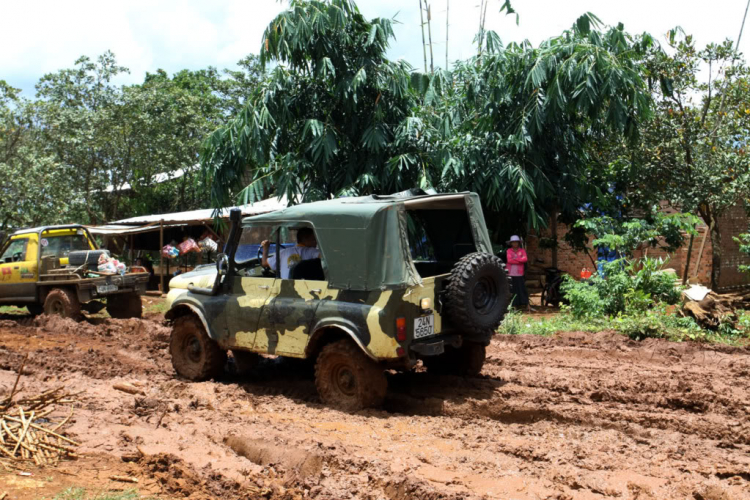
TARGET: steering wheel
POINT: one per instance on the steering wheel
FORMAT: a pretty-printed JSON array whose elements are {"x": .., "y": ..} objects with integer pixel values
[
  {"x": 267, "y": 273},
  {"x": 17, "y": 256}
]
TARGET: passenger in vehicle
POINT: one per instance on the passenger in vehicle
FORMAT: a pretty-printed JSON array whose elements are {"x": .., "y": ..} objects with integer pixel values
[{"x": 306, "y": 249}]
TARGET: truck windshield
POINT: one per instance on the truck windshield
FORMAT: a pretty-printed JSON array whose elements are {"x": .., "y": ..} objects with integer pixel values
[
  {"x": 15, "y": 252},
  {"x": 62, "y": 245}
]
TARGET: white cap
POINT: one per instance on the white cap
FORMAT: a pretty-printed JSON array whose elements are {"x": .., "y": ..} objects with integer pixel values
[{"x": 515, "y": 237}]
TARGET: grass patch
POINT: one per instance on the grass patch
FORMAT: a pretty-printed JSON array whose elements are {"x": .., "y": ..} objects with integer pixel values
[
  {"x": 654, "y": 323},
  {"x": 13, "y": 310},
  {"x": 84, "y": 494},
  {"x": 156, "y": 307}
]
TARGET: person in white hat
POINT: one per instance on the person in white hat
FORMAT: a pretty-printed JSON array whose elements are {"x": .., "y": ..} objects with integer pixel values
[{"x": 516, "y": 269}]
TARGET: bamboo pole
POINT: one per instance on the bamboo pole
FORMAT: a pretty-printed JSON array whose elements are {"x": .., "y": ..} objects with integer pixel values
[
  {"x": 421, "y": 21},
  {"x": 429, "y": 34},
  {"x": 700, "y": 253},
  {"x": 687, "y": 264},
  {"x": 161, "y": 255},
  {"x": 447, "y": 17}
]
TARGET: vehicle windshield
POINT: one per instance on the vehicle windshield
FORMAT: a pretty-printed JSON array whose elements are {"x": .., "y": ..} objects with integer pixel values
[
  {"x": 15, "y": 252},
  {"x": 248, "y": 248},
  {"x": 61, "y": 245}
]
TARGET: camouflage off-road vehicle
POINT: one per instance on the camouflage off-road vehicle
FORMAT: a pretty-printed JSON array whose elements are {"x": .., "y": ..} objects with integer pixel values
[{"x": 401, "y": 278}]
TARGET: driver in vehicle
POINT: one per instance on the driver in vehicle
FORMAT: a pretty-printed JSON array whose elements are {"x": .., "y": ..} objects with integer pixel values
[{"x": 307, "y": 248}]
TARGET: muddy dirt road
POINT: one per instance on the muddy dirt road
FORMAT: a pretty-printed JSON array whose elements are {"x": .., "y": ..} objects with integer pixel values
[{"x": 574, "y": 416}]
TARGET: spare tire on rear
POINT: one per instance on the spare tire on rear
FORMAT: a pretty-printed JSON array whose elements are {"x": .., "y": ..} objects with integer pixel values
[{"x": 478, "y": 294}]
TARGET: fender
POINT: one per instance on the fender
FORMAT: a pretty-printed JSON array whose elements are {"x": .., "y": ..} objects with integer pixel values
[
  {"x": 181, "y": 305},
  {"x": 343, "y": 325}
]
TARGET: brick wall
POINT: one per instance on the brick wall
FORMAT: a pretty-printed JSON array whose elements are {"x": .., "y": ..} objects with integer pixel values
[{"x": 732, "y": 223}]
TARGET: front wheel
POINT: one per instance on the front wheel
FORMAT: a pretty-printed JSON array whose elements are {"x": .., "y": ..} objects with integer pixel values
[
  {"x": 347, "y": 379},
  {"x": 195, "y": 356}
]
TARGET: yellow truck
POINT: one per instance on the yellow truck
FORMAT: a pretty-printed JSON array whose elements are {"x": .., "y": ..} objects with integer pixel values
[{"x": 52, "y": 270}]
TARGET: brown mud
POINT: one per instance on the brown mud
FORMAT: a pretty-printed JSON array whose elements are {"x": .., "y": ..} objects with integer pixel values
[{"x": 573, "y": 416}]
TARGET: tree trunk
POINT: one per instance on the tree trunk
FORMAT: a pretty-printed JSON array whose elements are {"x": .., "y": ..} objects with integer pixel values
[{"x": 553, "y": 224}]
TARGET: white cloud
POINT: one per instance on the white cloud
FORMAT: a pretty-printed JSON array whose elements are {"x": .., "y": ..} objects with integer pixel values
[{"x": 45, "y": 35}]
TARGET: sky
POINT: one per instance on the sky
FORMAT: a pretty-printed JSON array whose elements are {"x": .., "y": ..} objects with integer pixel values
[{"x": 42, "y": 36}]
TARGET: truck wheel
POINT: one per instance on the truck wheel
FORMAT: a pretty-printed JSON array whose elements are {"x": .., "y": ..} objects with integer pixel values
[
  {"x": 347, "y": 379},
  {"x": 467, "y": 360},
  {"x": 195, "y": 356},
  {"x": 62, "y": 302},
  {"x": 126, "y": 305},
  {"x": 478, "y": 293},
  {"x": 35, "y": 309}
]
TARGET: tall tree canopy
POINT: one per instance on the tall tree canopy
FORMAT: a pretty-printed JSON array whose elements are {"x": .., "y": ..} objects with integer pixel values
[
  {"x": 329, "y": 120},
  {"x": 694, "y": 153},
  {"x": 336, "y": 117},
  {"x": 516, "y": 123}
]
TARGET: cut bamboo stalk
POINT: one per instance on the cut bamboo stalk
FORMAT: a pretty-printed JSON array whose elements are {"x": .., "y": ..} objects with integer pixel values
[
  {"x": 48, "y": 432},
  {"x": 25, "y": 429}
]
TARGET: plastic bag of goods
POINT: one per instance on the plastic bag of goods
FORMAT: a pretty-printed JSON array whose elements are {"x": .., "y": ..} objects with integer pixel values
[
  {"x": 187, "y": 246},
  {"x": 108, "y": 267},
  {"x": 170, "y": 252},
  {"x": 207, "y": 244}
]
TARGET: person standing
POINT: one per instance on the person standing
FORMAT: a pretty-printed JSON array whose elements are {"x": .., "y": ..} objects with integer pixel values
[{"x": 516, "y": 269}]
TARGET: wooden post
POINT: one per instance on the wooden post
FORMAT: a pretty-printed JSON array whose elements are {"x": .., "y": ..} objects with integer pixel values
[
  {"x": 132, "y": 252},
  {"x": 161, "y": 255}
]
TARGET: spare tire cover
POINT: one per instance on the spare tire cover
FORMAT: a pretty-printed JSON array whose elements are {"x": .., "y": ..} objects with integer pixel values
[{"x": 478, "y": 294}]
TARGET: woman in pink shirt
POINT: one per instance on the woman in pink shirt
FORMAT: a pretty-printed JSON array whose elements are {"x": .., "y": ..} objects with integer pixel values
[{"x": 516, "y": 266}]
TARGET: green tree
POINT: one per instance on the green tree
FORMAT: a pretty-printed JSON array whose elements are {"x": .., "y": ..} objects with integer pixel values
[
  {"x": 516, "y": 123},
  {"x": 332, "y": 118},
  {"x": 694, "y": 152},
  {"x": 116, "y": 142},
  {"x": 35, "y": 188}
]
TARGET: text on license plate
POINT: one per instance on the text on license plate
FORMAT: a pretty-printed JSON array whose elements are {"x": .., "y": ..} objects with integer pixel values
[
  {"x": 106, "y": 288},
  {"x": 424, "y": 326}
]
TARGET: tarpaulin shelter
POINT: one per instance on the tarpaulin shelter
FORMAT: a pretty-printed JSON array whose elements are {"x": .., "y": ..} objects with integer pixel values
[{"x": 152, "y": 232}]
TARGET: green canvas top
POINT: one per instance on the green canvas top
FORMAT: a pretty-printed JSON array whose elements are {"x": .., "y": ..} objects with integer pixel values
[{"x": 364, "y": 240}]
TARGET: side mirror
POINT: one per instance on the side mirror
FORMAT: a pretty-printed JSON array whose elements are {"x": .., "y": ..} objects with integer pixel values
[{"x": 222, "y": 264}]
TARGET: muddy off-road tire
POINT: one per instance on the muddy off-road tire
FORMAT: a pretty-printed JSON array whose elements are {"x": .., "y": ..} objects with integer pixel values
[
  {"x": 478, "y": 294},
  {"x": 125, "y": 305},
  {"x": 35, "y": 309},
  {"x": 62, "y": 302},
  {"x": 466, "y": 361},
  {"x": 244, "y": 361},
  {"x": 347, "y": 379},
  {"x": 194, "y": 355}
]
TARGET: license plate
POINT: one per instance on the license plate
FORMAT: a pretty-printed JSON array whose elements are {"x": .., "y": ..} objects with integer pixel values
[
  {"x": 424, "y": 326},
  {"x": 106, "y": 288}
]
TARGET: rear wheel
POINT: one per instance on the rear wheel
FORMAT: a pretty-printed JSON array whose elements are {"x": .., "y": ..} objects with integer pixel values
[
  {"x": 62, "y": 302},
  {"x": 195, "y": 355},
  {"x": 125, "y": 305},
  {"x": 467, "y": 360},
  {"x": 347, "y": 379}
]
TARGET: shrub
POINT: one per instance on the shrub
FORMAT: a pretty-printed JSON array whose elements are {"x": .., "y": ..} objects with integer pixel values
[{"x": 625, "y": 288}]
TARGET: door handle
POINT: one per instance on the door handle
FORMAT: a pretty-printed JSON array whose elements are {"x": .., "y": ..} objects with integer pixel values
[
  {"x": 263, "y": 287},
  {"x": 316, "y": 290}
]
